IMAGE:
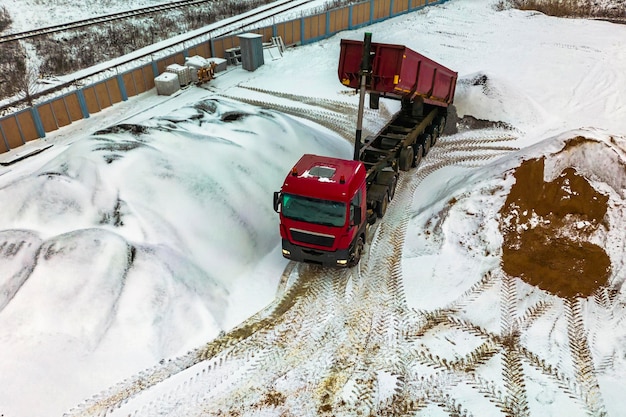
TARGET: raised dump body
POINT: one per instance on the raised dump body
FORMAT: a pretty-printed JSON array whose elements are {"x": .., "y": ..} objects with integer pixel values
[{"x": 397, "y": 72}]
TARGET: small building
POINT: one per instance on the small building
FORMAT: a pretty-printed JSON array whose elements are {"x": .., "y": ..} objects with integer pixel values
[{"x": 251, "y": 45}]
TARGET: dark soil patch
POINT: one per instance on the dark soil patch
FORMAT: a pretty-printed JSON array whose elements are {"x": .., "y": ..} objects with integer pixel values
[
  {"x": 546, "y": 228},
  {"x": 472, "y": 123},
  {"x": 456, "y": 124}
]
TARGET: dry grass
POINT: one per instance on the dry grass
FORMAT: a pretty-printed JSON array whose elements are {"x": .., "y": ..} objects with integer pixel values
[
  {"x": 568, "y": 8},
  {"x": 563, "y": 8}
]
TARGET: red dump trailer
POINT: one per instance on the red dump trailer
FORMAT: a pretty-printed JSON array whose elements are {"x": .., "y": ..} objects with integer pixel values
[{"x": 397, "y": 72}]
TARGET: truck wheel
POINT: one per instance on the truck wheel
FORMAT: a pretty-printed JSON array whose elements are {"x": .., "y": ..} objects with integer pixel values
[
  {"x": 433, "y": 137},
  {"x": 392, "y": 187},
  {"x": 356, "y": 254},
  {"x": 419, "y": 153},
  {"x": 428, "y": 140},
  {"x": 442, "y": 125},
  {"x": 406, "y": 158},
  {"x": 381, "y": 207}
]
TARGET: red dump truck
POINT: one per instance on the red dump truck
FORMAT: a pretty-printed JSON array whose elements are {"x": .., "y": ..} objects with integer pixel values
[{"x": 326, "y": 204}]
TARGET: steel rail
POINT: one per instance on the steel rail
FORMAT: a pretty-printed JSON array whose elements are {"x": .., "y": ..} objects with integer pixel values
[{"x": 98, "y": 19}]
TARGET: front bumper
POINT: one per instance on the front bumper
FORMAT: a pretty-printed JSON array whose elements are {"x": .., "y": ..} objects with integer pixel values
[{"x": 338, "y": 258}]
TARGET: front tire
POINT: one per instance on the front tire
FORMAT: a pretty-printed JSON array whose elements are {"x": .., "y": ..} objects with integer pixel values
[{"x": 357, "y": 252}]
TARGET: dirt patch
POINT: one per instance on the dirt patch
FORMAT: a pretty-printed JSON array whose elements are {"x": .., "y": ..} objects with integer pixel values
[
  {"x": 546, "y": 228},
  {"x": 471, "y": 123},
  {"x": 456, "y": 124}
]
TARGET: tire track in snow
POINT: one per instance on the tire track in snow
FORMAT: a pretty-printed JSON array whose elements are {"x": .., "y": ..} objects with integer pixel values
[
  {"x": 333, "y": 121},
  {"x": 582, "y": 358},
  {"x": 106, "y": 402}
]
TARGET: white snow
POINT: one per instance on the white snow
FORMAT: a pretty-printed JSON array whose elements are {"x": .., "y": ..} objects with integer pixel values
[{"x": 119, "y": 250}]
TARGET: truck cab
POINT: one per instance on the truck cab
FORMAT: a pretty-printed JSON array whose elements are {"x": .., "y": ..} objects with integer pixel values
[{"x": 322, "y": 207}]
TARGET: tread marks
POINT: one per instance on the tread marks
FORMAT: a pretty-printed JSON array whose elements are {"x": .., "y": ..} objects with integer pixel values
[
  {"x": 582, "y": 358},
  {"x": 333, "y": 121},
  {"x": 332, "y": 105},
  {"x": 386, "y": 272},
  {"x": 120, "y": 393}
]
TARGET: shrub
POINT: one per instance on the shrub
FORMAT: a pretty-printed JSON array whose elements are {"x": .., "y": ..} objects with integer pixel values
[
  {"x": 12, "y": 68},
  {"x": 562, "y": 8},
  {"x": 566, "y": 8},
  {"x": 5, "y": 18}
]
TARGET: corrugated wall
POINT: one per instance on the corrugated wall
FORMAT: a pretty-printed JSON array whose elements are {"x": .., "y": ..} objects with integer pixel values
[{"x": 33, "y": 123}]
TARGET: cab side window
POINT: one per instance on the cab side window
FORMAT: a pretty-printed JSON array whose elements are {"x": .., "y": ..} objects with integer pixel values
[{"x": 355, "y": 204}]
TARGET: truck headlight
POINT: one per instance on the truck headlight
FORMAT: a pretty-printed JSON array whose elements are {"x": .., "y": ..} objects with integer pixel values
[{"x": 286, "y": 252}]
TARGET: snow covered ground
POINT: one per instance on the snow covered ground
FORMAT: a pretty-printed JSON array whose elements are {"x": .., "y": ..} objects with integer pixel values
[{"x": 147, "y": 230}]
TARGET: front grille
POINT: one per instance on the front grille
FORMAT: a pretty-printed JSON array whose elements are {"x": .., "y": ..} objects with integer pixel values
[{"x": 313, "y": 239}]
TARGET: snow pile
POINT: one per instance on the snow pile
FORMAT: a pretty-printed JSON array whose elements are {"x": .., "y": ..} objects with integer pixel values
[{"x": 140, "y": 233}]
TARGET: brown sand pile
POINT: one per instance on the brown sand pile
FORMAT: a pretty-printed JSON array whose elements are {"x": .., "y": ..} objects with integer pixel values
[{"x": 546, "y": 228}]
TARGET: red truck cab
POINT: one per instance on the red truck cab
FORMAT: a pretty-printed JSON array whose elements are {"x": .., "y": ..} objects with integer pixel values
[{"x": 322, "y": 207}]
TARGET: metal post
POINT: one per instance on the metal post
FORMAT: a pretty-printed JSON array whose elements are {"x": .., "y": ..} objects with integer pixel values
[{"x": 365, "y": 69}]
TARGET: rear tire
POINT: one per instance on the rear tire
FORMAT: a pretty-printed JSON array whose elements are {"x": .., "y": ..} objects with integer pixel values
[
  {"x": 406, "y": 158},
  {"x": 381, "y": 207},
  {"x": 428, "y": 141},
  {"x": 433, "y": 138},
  {"x": 419, "y": 153},
  {"x": 392, "y": 188},
  {"x": 442, "y": 125}
]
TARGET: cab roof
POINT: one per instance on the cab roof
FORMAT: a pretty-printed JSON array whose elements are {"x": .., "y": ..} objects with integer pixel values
[{"x": 325, "y": 178}]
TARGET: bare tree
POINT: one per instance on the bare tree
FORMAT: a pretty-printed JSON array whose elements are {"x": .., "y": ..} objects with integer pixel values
[
  {"x": 27, "y": 84},
  {"x": 11, "y": 67}
]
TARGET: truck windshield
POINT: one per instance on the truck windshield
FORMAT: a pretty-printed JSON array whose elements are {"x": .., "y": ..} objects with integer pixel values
[{"x": 312, "y": 210}]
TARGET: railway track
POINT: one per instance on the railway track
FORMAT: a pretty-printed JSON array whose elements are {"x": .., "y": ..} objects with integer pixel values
[
  {"x": 159, "y": 8},
  {"x": 265, "y": 12},
  {"x": 345, "y": 342}
]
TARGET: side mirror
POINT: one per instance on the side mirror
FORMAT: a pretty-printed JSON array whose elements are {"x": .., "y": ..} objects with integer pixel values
[
  {"x": 357, "y": 215},
  {"x": 276, "y": 200}
]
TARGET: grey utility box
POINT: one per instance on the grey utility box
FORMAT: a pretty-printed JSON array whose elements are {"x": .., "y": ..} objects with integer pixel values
[{"x": 251, "y": 51}]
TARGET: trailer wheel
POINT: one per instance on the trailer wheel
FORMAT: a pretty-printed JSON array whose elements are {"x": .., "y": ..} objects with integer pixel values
[
  {"x": 433, "y": 137},
  {"x": 428, "y": 141},
  {"x": 419, "y": 153},
  {"x": 392, "y": 187},
  {"x": 442, "y": 125},
  {"x": 355, "y": 257},
  {"x": 381, "y": 207},
  {"x": 406, "y": 158}
]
